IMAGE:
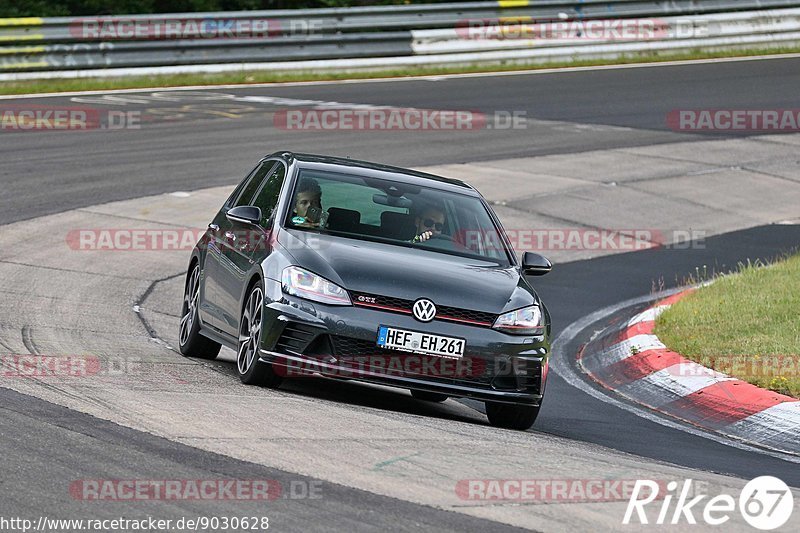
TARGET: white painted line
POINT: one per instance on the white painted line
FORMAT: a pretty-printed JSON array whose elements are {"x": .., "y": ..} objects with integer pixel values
[
  {"x": 561, "y": 367},
  {"x": 429, "y": 77},
  {"x": 180, "y": 194}
]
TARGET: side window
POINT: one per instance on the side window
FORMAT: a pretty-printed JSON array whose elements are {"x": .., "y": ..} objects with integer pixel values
[
  {"x": 238, "y": 190},
  {"x": 245, "y": 198},
  {"x": 267, "y": 197}
]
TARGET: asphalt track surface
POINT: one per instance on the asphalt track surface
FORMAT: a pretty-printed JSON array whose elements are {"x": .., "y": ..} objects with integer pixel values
[
  {"x": 46, "y": 447},
  {"x": 575, "y": 289},
  {"x": 50, "y": 172},
  {"x": 45, "y": 173}
]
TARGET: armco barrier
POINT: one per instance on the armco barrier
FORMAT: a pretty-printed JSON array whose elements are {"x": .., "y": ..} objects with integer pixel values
[{"x": 372, "y": 37}]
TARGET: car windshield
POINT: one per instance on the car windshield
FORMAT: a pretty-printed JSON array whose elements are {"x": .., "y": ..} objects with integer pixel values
[{"x": 397, "y": 213}]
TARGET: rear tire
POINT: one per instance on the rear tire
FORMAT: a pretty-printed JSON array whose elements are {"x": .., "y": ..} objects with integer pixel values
[
  {"x": 426, "y": 396},
  {"x": 190, "y": 342},
  {"x": 251, "y": 370},
  {"x": 511, "y": 416}
]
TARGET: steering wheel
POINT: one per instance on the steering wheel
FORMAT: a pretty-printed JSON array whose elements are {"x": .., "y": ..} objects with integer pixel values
[{"x": 441, "y": 236}]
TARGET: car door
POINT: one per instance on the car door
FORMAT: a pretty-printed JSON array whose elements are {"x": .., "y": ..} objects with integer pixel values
[
  {"x": 211, "y": 309},
  {"x": 244, "y": 245}
]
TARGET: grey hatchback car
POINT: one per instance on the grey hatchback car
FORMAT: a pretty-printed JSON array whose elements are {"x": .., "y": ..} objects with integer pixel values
[{"x": 327, "y": 266}]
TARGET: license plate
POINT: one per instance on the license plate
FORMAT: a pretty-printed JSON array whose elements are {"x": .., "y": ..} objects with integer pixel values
[{"x": 421, "y": 343}]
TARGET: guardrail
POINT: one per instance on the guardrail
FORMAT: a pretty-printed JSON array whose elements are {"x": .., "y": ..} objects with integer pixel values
[{"x": 380, "y": 36}]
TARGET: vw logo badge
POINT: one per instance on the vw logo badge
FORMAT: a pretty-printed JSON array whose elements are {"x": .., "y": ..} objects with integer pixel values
[{"x": 424, "y": 310}]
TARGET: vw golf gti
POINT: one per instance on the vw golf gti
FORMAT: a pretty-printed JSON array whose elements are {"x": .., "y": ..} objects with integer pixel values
[{"x": 328, "y": 266}]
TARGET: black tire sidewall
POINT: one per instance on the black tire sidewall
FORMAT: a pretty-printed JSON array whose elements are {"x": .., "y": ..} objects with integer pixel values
[
  {"x": 512, "y": 416},
  {"x": 259, "y": 373},
  {"x": 196, "y": 345}
]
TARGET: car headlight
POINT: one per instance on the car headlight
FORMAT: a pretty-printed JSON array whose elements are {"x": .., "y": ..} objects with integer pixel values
[
  {"x": 303, "y": 284},
  {"x": 525, "y": 321}
]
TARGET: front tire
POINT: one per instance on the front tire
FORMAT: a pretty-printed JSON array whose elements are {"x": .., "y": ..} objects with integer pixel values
[
  {"x": 426, "y": 396},
  {"x": 190, "y": 341},
  {"x": 511, "y": 416},
  {"x": 251, "y": 370}
]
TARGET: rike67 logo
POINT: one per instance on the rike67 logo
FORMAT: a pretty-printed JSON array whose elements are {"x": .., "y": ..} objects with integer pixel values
[{"x": 765, "y": 503}]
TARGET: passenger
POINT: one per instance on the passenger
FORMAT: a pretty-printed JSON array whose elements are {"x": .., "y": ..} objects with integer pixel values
[{"x": 308, "y": 204}]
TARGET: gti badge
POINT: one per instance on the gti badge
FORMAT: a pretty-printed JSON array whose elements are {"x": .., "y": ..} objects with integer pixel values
[{"x": 424, "y": 310}]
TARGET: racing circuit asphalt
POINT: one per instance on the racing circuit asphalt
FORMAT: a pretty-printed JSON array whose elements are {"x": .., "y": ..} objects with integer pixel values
[
  {"x": 47, "y": 172},
  {"x": 616, "y": 108}
]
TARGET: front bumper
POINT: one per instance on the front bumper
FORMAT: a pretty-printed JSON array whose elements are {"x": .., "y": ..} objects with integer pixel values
[{"x": 304, "y": 338}]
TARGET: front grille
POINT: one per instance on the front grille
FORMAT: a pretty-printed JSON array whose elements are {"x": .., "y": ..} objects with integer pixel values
[
  {"x": 400, "y": 305},
  {"x": 387, "y": 303},
  {"x": 465, "y": 315},
  {"x": 350, "y": 347}
]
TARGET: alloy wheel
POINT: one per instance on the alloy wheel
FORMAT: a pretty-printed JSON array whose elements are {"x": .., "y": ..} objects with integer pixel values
[
  {"x": 250, "y": 331},
  {"x": 190, "y": 299}
]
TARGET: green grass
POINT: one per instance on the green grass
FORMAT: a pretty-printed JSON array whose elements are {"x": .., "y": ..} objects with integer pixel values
[
  {"x": 245, "y": 77},
  {"x": 746, "y": 325}
]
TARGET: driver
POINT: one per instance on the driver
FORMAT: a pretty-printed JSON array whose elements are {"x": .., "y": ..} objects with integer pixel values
[
  {"x": 429, "y": 222},
  {"x": 308, "y": 203}
]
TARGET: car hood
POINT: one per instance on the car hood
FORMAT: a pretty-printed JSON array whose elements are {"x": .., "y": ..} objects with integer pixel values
[{"x": 408, "y": 273}]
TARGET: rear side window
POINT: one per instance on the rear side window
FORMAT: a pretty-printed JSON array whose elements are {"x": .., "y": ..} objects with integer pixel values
[
  {"x": 249, "y": 190},
  {"x": 238, "y": 190},
  {"x": 267, "y": 197}
]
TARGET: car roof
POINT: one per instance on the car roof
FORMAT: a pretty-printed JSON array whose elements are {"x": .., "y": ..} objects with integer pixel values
[{"x": 377, "y": 170}]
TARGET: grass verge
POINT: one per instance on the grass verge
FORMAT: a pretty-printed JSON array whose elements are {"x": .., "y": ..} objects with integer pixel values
[
  {"x": 746, "y": 325},
  {"x": 247, "y": 77}
]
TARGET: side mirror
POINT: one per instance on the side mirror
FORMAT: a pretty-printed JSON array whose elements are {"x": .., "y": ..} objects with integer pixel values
[
  {"x": 245, "y": 214},
  {"x": 535, "y": 264}
]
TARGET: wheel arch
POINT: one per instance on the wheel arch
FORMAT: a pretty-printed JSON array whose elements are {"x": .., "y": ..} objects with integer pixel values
[
  {"x": 193, "y": 260},
  {"x": 255, "y": 277}
]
